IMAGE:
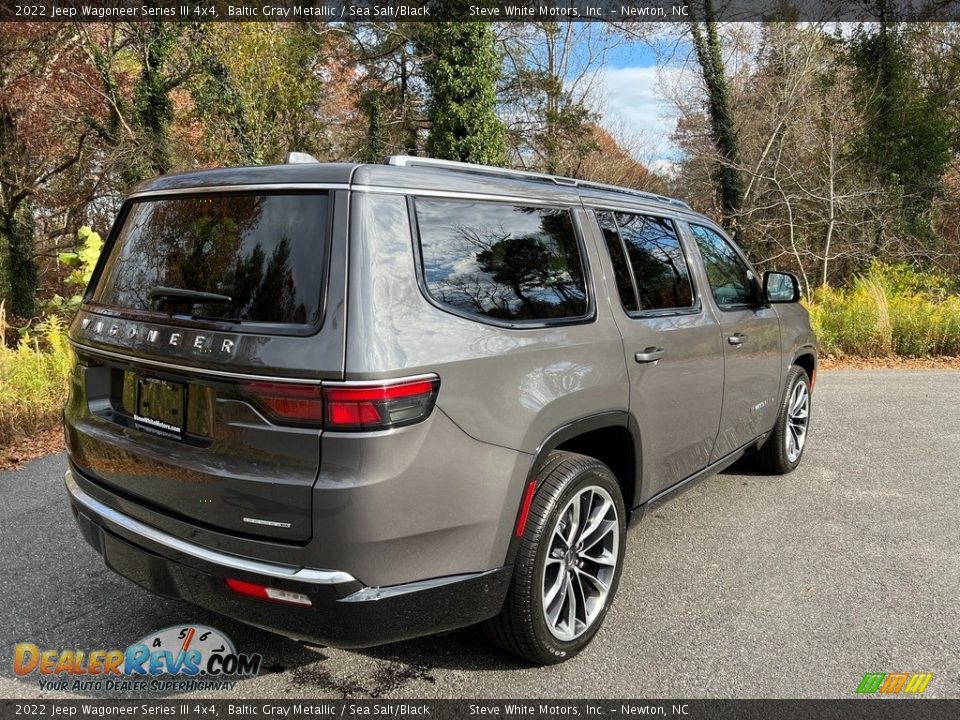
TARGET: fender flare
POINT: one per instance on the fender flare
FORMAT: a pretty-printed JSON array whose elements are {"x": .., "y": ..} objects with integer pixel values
[
  {"x": 805, "y": 349},
  {"x": 558, "y": 436}
]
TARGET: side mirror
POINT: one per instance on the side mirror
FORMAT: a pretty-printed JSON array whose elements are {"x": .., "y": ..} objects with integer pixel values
[{"x": 781, "y": 287}]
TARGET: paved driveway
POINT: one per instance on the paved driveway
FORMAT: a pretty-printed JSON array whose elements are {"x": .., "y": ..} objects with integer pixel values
[{"x": 744, "y": 586}]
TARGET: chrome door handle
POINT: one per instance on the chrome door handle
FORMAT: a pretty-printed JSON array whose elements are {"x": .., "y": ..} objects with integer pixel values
[
  {"x": 650, "y": 354},
  {"x": 737, "y": 339}
]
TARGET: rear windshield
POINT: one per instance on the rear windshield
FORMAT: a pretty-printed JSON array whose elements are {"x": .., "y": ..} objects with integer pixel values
[{"x": 265, "y": 252}]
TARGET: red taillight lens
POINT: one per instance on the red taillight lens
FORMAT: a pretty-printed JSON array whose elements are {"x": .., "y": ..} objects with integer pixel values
[
  {"x": 377, "y": 407},
  {"x": 270, "y": 594},
  {"x": 347, "y": 407},
  {"x": 289, "y": 401}
]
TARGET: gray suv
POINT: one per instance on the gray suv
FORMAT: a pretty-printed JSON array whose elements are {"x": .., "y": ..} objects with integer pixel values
[{"x": 359, "y": 403}]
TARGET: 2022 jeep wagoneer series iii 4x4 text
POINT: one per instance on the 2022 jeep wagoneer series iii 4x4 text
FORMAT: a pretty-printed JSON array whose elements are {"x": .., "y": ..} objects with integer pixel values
[{"x": 360, "y": 403}]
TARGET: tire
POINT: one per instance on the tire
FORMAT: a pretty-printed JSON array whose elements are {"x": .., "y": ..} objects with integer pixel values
[
  {"x": 783, "y": 450},
  {"x": 530, "y": 624}
]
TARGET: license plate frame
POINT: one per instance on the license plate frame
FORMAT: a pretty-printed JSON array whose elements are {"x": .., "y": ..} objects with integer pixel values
[{"x": 161, "y": 407}]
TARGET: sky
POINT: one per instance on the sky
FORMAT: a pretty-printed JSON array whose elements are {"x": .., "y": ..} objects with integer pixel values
[{"x": 631, "y": 83}]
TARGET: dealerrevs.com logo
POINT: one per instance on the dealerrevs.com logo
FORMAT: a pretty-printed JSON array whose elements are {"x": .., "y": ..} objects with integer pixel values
[{"x": 175, "y": 659}]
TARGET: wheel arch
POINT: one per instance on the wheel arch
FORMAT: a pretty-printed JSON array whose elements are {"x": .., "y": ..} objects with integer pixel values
[
  {"x": 806, "y": 358},
  {"x": 612, "y": 437}
]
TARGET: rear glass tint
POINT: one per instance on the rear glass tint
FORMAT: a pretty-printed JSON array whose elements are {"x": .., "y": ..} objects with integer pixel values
[
  {"x": 505, "y": 262},
  {"x": 265, "y": 252},
  {"x": 659, "y": 265}
]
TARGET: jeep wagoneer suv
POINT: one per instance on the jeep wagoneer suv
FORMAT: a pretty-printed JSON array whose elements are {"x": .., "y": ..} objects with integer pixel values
[{"x": 360, "y": 403}]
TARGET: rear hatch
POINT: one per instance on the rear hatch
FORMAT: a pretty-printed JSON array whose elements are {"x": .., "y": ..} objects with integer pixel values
[{"x": 201, "y": 344}]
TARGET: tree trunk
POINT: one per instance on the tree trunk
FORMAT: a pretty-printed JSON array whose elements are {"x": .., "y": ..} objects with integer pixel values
[
  {"x": 726, "y": 172},
  {"x": 21, "y": 267},
  {"x": 462, "y": 67}
]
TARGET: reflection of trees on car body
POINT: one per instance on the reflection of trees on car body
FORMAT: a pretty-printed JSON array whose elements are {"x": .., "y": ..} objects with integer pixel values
[{"x": 503, "y": 261}]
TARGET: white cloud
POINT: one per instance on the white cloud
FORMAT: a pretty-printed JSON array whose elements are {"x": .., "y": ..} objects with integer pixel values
[{"x": 636, "y": 107}]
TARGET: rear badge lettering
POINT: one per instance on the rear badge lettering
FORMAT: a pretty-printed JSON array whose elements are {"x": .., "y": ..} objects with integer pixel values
[
  {"x": 271, "y": 523},
  {"x": 133, "y": 335},
  {"x": 760, "y": 405}
]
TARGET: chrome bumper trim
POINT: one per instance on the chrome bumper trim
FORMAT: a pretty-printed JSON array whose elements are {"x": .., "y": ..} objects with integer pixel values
[{"x": 233, "y": 562}]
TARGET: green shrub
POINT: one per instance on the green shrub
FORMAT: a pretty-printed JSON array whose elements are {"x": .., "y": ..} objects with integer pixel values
[
  {"x": 33, "y": 379},
  {"x": 83, "y": 260},
  {"x": 889, "y": 310}
]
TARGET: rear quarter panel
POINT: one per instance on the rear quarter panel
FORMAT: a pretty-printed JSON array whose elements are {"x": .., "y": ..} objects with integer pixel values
[
  {"x": 508, "y": 387},
  {"x": 502, "y": 393}
]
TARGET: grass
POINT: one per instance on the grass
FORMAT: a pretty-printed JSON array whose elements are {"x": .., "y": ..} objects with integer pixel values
[
  {"x": 889, "y": 311},
  {"x": 33, "y": 380}
]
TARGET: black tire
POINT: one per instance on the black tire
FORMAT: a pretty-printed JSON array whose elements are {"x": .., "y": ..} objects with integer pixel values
[
  {"x": 522, "y": 625},
  {"x": 773, "y": 458}
]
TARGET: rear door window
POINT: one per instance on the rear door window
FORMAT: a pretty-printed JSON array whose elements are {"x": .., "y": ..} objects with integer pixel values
[
  {"x": 499, "y": 261},
  {"x": 621, "y": 268},
  {"x": 265, "y": 253},
  {"x": 653, "y": 264}
]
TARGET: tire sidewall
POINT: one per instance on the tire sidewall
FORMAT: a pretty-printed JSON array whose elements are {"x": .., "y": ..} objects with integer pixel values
[
  {"x": 552, "y": 646},
  {"x": 799, "y": 376}
]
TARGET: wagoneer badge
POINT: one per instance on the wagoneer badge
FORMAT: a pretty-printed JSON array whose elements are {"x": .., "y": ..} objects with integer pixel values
[{"x": 180, "y": 341}]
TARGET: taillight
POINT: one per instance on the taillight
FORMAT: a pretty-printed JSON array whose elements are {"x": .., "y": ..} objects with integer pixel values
[
  {"x": 381, "y": 406},
  {"x": 366, "y": 406},
  {"x": 288, "y": 401}
]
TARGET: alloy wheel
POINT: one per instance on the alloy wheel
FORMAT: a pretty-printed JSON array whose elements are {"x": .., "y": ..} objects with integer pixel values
[
  {"x": 798, "y": 417},
  {"x": 581, "y": 563}
]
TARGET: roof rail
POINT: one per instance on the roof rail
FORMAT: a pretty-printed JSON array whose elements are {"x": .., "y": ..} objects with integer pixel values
[
  {"x": 411, "y": 160},
  {"x": 589, "y": 185}
]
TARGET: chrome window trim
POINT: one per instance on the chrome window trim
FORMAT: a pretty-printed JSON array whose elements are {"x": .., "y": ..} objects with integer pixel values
[
  {"x": 640, "y": 208},
  {"x": 653, "y": 313},
  {"x": 566, "y": 202},
  {"x": 233, "y": 562},
  {"x": 260, "y": 187},
  {"x": 590, "y": 315}
]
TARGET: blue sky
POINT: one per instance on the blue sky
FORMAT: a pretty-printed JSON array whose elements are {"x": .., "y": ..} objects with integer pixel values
[
  {"x": 631, "y": 83},
  {"x": 633, "y": 54}
]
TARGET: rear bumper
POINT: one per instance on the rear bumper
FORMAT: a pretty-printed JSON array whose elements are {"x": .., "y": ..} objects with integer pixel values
[{"x": 343, "y": 612}]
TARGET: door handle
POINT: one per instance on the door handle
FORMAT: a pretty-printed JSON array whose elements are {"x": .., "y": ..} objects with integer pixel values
[
  {"x": 650, "y": 354},
  {"x": 737, "y": 339}
]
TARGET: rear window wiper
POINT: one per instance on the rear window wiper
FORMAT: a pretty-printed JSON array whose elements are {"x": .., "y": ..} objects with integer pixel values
[{"x": 194, "y": 296}]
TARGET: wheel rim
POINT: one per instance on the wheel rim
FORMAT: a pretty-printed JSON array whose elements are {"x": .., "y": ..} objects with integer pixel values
[
  {"x": 581, "y": 563},
  {"x": 798, "y": 419}
]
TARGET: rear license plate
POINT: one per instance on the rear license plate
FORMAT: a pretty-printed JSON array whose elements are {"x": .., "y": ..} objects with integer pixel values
[{"x": 160, "y": 407}]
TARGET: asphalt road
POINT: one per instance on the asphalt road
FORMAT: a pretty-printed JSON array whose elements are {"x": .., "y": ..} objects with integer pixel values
[{"x": 744, "y": 586}]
